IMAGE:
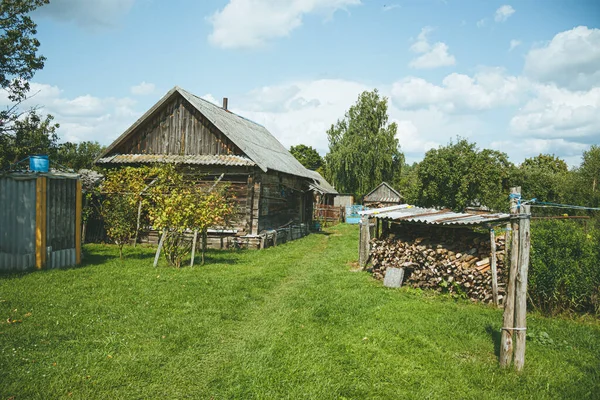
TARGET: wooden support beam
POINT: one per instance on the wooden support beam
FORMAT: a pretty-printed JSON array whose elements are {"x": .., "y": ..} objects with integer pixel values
[
  {"x": 40, "y": 222},
  {"x": 160, "y": 245},
  {"x": 521, "y": 290},
  {"x": 506, "y": 341},
  {"x": 493, "y": 266},
  {"x": 365, "y": 238},
  {"x": 194, "y": 247}
]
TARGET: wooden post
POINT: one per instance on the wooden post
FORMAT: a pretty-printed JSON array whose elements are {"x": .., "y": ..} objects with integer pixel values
[
  {"x": 521, "y": 292},
  {"x": 194, "y": 247},
  {"x": 160, "y": 245},
  {"x": 40, "y": 222},
  {"x": 506, "y": 342},
  {"x": 493, "y": 266},
  {"x": 137, "y": 229},
  {"x": 363, "y": 250}
]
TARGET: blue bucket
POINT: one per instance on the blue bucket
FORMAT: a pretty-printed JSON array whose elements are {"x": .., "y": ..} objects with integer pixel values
[{"x": 39, "y": 163}]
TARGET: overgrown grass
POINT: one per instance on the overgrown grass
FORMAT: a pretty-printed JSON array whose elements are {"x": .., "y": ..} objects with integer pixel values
[{"x": 287, "y": 322}]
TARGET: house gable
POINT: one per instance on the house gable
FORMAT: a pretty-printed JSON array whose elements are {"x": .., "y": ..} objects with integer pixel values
[
  {"x": 175, "y": 127},
  {"x": 383, "y": 193}
]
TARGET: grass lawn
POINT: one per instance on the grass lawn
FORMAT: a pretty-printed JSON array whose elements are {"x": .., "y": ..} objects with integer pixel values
[{"x": 288, "y": 322}]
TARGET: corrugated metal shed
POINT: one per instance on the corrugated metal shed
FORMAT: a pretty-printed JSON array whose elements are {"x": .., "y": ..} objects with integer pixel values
[
  {"x": 320, "y": 184},
  {"x": 39, "y": 218},
  {"x": 432, "y": 216},
  {"x": 228, "y": 160}
]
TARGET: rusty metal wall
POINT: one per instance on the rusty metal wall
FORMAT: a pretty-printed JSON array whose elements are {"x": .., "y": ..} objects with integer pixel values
[{"x": 17, "y": 223}]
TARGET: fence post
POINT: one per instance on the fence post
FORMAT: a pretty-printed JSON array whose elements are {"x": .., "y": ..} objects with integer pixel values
[
  {"x": 506, "y": 342},
  {"x": 363, "y": 251},
  {"x": 521, "y": 291},
  {"x": 493, "y": 266}
]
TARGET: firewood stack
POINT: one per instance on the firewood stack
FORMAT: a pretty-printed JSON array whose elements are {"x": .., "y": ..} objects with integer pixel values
[{"x": 447, "y": 260}]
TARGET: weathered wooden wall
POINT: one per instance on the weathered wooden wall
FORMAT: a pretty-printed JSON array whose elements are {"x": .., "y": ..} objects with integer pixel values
[
  {"x": 178, "y": 129},
  {"x": 282, "y": 200}
]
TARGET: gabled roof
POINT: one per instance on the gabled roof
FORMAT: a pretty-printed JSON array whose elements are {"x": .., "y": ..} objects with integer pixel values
[
  {"x": 374, "y": 196},
  {"x": 253, "y": 139},
  {"x": 321, "y": 185}
]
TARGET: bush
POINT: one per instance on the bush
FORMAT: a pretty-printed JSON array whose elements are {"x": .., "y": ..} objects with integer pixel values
[{"x": 564, "y": 270}]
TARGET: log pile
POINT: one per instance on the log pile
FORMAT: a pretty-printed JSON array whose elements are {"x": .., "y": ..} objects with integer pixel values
[{"x": 447, "y": 260}]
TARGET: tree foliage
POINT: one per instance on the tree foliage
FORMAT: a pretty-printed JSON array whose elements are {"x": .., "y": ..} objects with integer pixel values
[
  {"x": 18, "y": 54},
  {"x": 30, "y": 135},
  {"x": 459, "y": 175},
  {"x": 181, "y": 204},
  {"x": 543, "y": 177},
  {"x": 308, "y": 156},
  {"x": 122, "y": 191},
  {"x": 78, "y": 155},
  {"x": 363, "y": 148}
]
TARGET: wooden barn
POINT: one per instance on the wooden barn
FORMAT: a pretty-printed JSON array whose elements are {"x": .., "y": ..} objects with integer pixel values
[
  {"x": 270, "y": 185},
  {"x": 383, "y": 195}
]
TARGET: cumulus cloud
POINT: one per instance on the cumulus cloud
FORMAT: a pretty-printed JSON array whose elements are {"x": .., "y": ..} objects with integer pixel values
[
  {"x": 432, "y": 55},
  {"x": 96, "y": 13},
  {"x": 514, "y": 44},
  {"x": 560, "y": 113},
  {"x": 143, "y": 89},
  {"x": 460, "y": 93},
  {"x": 571, "y": 59},
  {"x": 83, "y": 117},
  {"x": 503, "y": 13},
  {"x": 252, "y": 23}
]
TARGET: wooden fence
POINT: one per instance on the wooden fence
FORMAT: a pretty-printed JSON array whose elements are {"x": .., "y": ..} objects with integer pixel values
[{"x": 328, "y": 215}]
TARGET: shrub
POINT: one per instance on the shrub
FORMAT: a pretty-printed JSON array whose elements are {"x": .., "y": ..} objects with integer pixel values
[{"x": 564, "y": 271}]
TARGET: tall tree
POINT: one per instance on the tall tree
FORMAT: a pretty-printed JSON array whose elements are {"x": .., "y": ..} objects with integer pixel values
[
  {"x": 308, "y": 156},
  {"x": 18, "y": 54},
  {"x": 459, "y": 175},
  {"x": 542, "y": 177},
  {"x": 363, "y": 148}
]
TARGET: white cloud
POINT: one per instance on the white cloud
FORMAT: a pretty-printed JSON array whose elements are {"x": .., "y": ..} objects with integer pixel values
[
  {"x": 514, "y": 44},
  {"x": 143, "y": 89},
  {"x": 571, "y": 59},
  {"x": 252, "y": 23},
  {"x": 481, "y": 23},
  {"x": 460, "y": 93},
  {"x": 96, "y": 13},
  {"x": 83, "y": 117},
  {"x": 503, "y": 13},
  {"x": 560, "y": 113},
  {"x": 433, "y": 56}
]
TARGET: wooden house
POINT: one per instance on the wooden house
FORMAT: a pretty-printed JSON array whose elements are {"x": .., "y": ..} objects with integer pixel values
[
  {"x": 323, "y": 192},
  {"x": 383, "y": 195},
  {"x": 270, "y": 185}
]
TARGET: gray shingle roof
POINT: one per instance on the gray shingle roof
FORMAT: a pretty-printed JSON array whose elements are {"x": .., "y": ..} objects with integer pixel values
[
  {"x": 321, "y": 185},
  {"x": 238, "y": 161}
]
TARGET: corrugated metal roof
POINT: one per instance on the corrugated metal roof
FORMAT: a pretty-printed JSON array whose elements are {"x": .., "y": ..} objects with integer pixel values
[
  {"x": 320, "y": 184},
  {"x": 230, "y": 160},
  {"x": 408, "y": 213}
]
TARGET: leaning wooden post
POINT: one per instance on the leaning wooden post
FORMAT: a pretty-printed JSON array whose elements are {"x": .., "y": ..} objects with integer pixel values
[
  {"x": 137, "y": 226},
  {"x": 493, "y": 266},
  {"x": 363, "y": 250},
  {"x": 521, "y": 292},
  {"x": 160, "y": 245},
  {"x": 194, "y": 247},
  {"x": 506, "y": 342}
]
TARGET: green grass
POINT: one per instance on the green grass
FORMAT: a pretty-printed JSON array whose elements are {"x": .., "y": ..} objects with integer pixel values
[{"x": 288, "y": 322}]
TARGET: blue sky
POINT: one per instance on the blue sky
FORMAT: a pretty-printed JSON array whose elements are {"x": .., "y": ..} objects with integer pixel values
[{"x": 522, "y": 77}]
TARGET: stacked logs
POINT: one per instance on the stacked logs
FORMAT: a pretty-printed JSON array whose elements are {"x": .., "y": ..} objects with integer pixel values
[{"x": 447, "y": 260}]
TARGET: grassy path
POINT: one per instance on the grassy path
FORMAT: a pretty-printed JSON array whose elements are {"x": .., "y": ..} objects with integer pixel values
[{"x": 287, "y": 322}]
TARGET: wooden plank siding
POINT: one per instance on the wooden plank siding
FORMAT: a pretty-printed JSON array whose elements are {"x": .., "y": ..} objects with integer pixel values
[{"x": 178, "y": 129}]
